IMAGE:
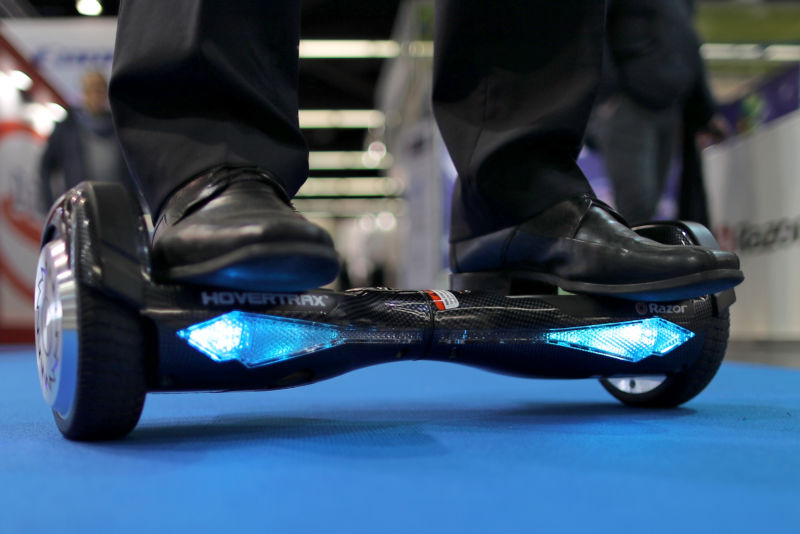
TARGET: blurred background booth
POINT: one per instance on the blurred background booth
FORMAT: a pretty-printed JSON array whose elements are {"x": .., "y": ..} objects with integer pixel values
[{"x": 380, "y": 178}]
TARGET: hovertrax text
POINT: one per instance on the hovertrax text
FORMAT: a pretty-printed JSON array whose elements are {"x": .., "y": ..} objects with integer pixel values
[{"x": 226, "y": 298}]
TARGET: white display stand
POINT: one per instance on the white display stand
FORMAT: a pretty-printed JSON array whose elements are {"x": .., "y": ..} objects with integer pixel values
[
  {"x": 753, "y": 186},
  {"x": 421, "y": 163},
  {"x": 20, "y": 228}
]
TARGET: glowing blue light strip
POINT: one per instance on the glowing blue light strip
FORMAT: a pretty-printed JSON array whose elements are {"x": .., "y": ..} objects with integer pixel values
[
  {"x": 631, "y": 341},
  {"x": 255, "y": 339}
]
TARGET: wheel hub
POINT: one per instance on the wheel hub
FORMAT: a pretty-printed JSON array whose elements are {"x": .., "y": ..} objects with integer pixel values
[
  {"x": 56, "y": 327},
  {"x": 637, "y": 385}
]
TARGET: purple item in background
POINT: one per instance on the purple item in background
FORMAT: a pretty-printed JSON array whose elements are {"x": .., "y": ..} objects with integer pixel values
[
  {"x": 593, "y": 166},
  {"x": 773, "y": 97}
]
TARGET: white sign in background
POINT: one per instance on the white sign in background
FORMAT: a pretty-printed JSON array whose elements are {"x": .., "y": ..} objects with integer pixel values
[
  {"x": 64, "y": 49},
  {"x": 20, "y": 225},
  {"x": 754, "y": 197}
]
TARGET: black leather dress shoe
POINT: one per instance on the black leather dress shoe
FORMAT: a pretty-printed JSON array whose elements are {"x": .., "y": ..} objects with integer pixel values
[
  {"x": 581, "y": 245},
  {"x": 235, "y": 228}
]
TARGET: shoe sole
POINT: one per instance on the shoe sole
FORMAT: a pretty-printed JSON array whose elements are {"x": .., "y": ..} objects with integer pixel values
[
  {"x": 263, "y": 267},
  {"x": 679, "y": 288}
]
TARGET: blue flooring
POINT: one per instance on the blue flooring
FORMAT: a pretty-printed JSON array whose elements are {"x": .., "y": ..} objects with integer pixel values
[{"x": 412, "y": 447}]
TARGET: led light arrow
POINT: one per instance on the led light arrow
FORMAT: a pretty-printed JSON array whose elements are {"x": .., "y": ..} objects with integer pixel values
[
  {"x": 255, "y": 339},
  {"x": 630, "y": 341}
]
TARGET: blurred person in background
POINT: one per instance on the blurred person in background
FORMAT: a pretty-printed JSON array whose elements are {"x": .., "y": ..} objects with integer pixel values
[
  {"x": 654, "y": 100},
  {"x": 84, "y": 146}
]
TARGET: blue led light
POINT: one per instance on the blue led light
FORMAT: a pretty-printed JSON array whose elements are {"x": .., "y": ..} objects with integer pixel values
[
  {"x": 630, "y": 341},
  {"x": 256, "y": 339}
]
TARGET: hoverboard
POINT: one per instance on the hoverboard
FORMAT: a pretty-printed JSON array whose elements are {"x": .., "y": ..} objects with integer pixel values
[{"x": 107, "y": 333}]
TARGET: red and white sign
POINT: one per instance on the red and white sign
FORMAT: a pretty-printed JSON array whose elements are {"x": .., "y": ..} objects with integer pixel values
[
  {"x": 20, "y": 150},
  {"x": 443, "y": 300}
]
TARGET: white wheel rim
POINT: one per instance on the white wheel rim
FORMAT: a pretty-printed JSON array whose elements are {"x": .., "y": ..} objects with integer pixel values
[
  {"x": 637, "y": 385},
  {"x": 56, "y": 327}
]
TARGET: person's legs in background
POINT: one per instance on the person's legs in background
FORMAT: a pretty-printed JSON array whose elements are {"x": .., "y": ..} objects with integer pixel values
[
  {"x": 638, "y": 146},
  {"x": 204, "y": 96}
]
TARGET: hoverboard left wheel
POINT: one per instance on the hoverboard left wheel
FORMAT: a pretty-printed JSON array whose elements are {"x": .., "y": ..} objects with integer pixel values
[{"x": 89, "y": 344}]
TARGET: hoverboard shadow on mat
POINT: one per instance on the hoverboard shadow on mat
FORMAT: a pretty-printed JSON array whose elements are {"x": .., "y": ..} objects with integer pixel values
[{"x": 107, "y": 333}]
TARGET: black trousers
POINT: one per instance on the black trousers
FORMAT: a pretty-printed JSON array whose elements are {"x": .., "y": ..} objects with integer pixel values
[{"x": 197, "y": 83}]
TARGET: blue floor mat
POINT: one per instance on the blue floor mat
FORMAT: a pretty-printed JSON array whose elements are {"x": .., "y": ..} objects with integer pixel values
[{"x": 412, "y": 447}]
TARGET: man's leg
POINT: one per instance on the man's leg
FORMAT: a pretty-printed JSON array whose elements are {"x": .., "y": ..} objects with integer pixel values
[
  {"x": 204, "y": 96},
  {"x": 514, "y": 84},
  {"x": 200, "y": 82}
]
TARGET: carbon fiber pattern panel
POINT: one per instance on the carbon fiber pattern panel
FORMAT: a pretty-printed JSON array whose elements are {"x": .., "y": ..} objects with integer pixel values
[
  {"x": 501, "y": 334},
  {"x": 400, "y": 310},
  {"x": 505, "y": 334},
  {"x": 384, "y": 326}
]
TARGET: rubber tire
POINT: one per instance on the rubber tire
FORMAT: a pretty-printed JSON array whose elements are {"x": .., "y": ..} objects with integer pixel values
[
  {"x": 111, "y": 383},
  {"x": 687, "y": 384}
]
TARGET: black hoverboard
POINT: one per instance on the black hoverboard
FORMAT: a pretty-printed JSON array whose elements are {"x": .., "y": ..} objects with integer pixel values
[{"x": 107, "y": 333}]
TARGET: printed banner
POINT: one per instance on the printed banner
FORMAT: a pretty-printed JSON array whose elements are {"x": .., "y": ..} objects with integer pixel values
[{"x": 754, "y": 199}]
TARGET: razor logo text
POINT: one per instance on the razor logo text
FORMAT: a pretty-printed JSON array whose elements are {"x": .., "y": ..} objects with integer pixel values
[
  {"x": 643, "y": 308},
  {"x": 227, "y": 298}
]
